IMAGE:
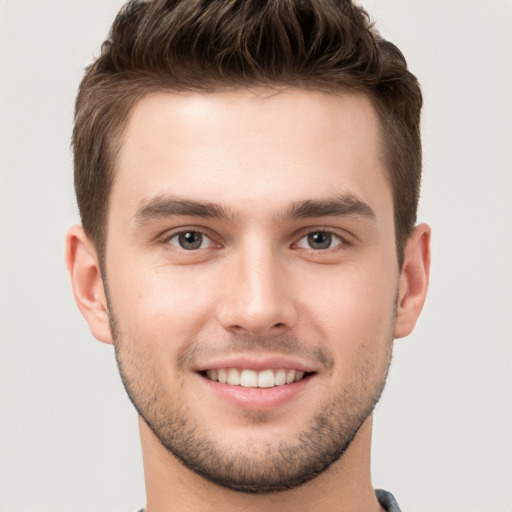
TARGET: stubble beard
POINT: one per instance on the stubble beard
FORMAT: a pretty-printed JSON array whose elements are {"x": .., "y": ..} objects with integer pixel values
[{"x": 269, "y": 468}]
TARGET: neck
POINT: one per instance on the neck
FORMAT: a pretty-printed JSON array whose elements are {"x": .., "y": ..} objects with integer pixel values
[{"x": 346, "y": 485}]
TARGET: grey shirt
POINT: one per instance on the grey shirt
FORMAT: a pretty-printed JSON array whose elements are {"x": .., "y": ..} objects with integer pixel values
[{"x": 387, "y": 501}]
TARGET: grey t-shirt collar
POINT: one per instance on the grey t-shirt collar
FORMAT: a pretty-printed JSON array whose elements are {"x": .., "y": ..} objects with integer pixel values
[{"x": 387, "y": 501}]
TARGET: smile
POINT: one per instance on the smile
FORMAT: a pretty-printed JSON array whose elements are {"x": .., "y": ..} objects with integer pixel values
[{"x": 255, "y": 379}]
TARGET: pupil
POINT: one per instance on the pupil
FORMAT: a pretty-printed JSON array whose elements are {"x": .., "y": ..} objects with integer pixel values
[
  {"x": 190, "y": 240},
  {"x": 320, "y": 240}
]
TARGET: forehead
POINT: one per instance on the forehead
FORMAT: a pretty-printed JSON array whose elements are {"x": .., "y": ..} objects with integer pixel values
[{"x": 245, "y": 147}]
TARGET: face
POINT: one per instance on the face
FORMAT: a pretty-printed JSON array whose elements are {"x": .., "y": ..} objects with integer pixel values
[{"x": 252, "y": 279}]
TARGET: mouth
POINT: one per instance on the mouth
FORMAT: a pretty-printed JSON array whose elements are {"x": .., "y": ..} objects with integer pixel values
[
  {"x": 248, "y": 378},
  {"x": 257, "y": 382}
]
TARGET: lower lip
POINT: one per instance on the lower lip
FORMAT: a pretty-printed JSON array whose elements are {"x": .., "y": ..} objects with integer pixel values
[{"x": 257, "y": 399}]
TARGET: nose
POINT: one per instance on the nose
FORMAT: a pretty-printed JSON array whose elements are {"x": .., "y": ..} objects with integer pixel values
[{"x": 257, "y": 297}]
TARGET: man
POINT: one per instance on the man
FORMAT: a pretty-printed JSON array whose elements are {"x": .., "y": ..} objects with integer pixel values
[{"x": 247, "y": 175}]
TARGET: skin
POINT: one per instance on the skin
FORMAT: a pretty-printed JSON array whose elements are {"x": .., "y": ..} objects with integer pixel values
[{"x": 255, "y": 287}]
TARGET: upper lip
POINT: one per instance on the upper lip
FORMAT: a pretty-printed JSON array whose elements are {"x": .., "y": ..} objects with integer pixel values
[{"x": 256, "y": 363}]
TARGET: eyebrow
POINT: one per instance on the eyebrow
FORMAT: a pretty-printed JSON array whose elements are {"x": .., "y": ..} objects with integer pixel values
[
  {"x": 166, "y": 206},
  {"x": 338, "y": 206}
]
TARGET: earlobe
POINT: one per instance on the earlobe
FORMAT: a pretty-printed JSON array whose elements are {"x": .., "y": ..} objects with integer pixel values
[
  {"x": 414, "y": 277},
  {"x": 84, "y": 271}
]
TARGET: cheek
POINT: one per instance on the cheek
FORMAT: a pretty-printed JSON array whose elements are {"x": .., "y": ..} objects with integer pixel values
[
  {"x": 363, "y": 290},
  {"x": 157, "y": 306},
  {"x": 352, "y": 308}
]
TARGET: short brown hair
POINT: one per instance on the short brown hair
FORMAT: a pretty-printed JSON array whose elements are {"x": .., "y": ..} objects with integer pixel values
[{"x": 211, "y": 45}]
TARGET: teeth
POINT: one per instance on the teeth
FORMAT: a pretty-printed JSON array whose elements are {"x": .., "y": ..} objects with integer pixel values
[
  {"x": 249, "y": 379},
  {"x": 212, "y": 374},
  {"x": 266, "y": 379},
  {"x": 223, "y": 376},
  {"x": 290, "y": 376},
  {"x": 233, "y": 377},
  {"x": 252, "y": 379},
  {"x": 280, "y": 377}
]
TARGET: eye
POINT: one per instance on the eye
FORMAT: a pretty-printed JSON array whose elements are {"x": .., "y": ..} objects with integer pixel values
[
  {"x": 319, "y": 240},
  {"x": 190, "y": 240}
]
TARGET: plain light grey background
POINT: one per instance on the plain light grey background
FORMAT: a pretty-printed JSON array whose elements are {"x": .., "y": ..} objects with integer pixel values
[{"x": 68, "y": 435}]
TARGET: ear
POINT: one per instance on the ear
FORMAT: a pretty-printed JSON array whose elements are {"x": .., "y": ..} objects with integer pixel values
[
  {"x": 83, "y": 267},
  {"x": 413, "y": 283}
]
